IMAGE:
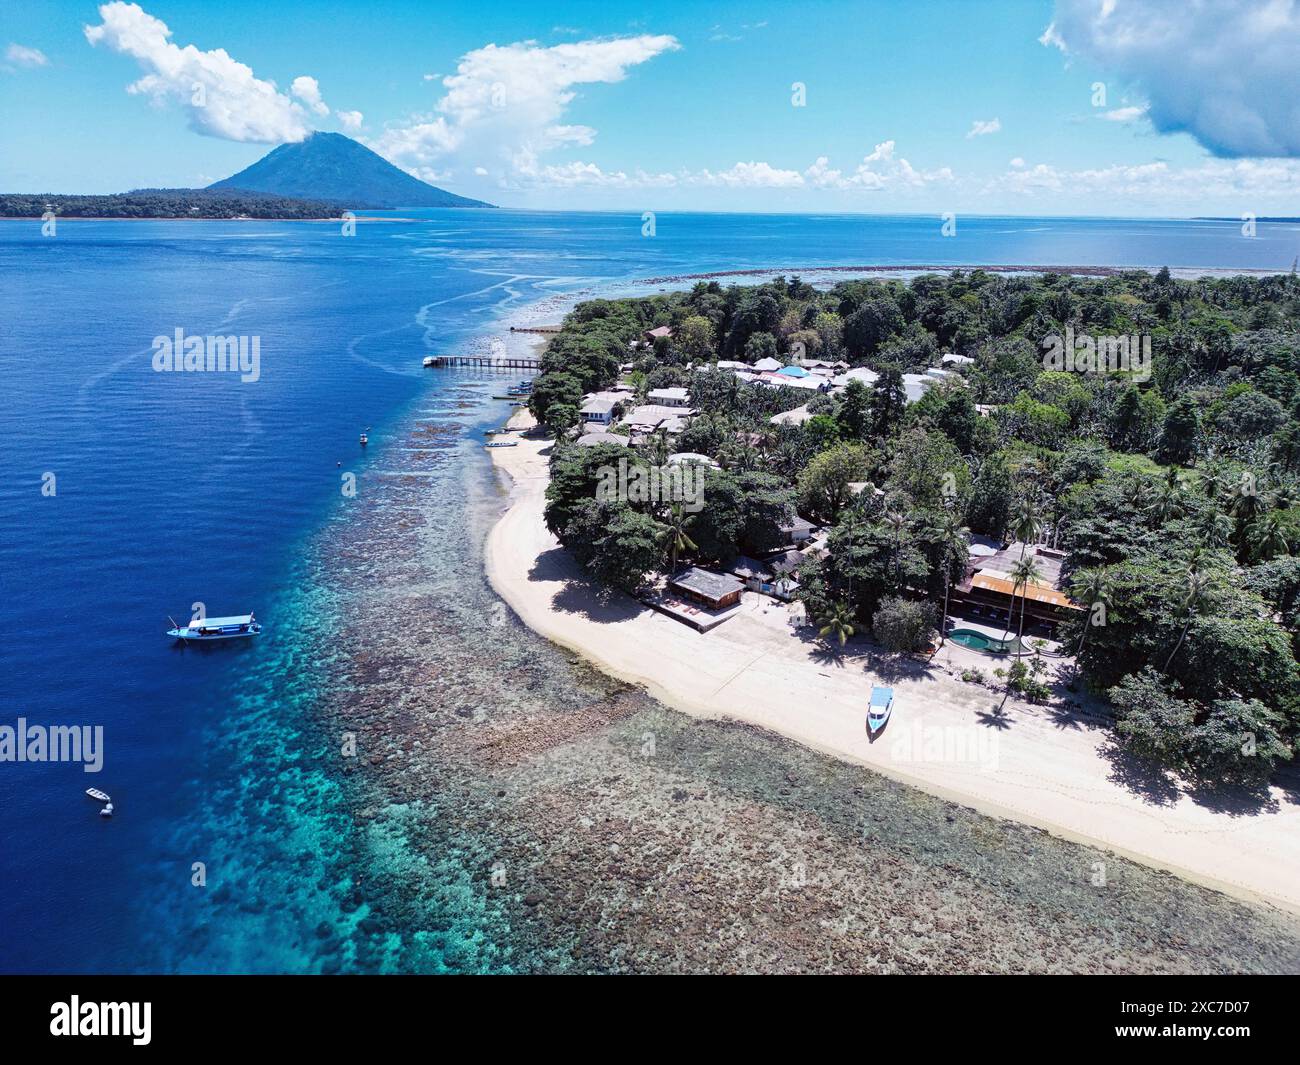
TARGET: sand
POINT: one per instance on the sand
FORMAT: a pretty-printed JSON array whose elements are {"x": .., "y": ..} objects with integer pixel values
[{"x": 1049, "y": 767}]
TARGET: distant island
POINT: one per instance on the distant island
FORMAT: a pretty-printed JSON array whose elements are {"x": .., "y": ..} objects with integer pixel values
[
  {"x": 169, "y": 203},
  {"x": 319, "y": 177},
  {"x": 334, "y": 167}
]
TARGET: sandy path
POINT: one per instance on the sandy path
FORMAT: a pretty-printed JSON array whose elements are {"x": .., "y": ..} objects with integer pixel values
[{"x": 1028, "y": 764}]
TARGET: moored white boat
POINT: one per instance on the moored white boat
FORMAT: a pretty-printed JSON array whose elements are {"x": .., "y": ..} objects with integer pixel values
[{"x": 234, "y": 627}]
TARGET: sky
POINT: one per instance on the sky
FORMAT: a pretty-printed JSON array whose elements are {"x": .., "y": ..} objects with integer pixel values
[{"x": 1167, "y": 108}]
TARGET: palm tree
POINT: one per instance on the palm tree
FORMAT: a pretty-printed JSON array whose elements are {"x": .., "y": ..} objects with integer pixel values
[
  {"x": 1267, "y": 538},
  {"x": 953, "y": 540},
  {"x": 1026, "y": 524},
  {"x": 675, "y": 534},
  {"x": 1214, "y": 528},
  {"x": 838, "y": 623},
  {"x": 896, "y": 520},
  {"x": 1194, "y": 598},
  {"x": 1092, "y": 587},
  {"x": 1169, "y": 500},
  {"x": 1024, "y": 573}
]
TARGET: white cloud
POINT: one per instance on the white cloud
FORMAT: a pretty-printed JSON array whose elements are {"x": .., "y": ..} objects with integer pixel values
[
  {"x": 308, "y": 91},
  {"x": 221, "y": 96},
  {"x": 1246, "y": 182},
  {"x": 750, "y": 175},
  {"x": 1017, "y": 162},
  {"x": 22, "y": 56},
  {"x": 981, "y": 128},
  {"x": 504, "y": 105},
  {"x": 1124, "y": 114},
  {"x": 1225, "y": 72},
  {"x": 350, "y": 120}
]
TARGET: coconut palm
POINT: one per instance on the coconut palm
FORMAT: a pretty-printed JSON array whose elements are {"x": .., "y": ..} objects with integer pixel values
[
  {"x": 1213, "y": 527},
  {"x": 1194, "y": 599},
  {"x": 675, "y": 534},
  {"x": 1026, "y": 524},
  {"x": 1024, "y": 573},
  {"x": 953, "y": 540},
  {"x": 838, "y": 623},
  {"x": 896, "y": 521},
  {"x": 1267, "y": 538},
  {"x": 1169, "y": 500},
  {"x": 1091, "y": 587}
]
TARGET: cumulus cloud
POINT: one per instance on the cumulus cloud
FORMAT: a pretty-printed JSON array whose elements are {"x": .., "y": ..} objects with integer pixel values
[
  {"x": 308, "y": 91},
  {"x": 22, "y": 56},
  {"x": 1224, "y": 71},
  {"x": 221, "y": 95},
  {"x": 504, "y": 105},
  {"x": 350, "y": 120},
  {"x": 981, "y": 128}
]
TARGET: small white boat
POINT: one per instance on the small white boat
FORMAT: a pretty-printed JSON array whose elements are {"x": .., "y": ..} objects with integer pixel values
[
  {"x": 882, "y": 706},
  {"x": 429, "y": 360},
  {"x": 98, "y": 795},
  {"x": 365, "y": 439},
  {"x": 208, "y": 629},
  {"x": 502, "y": 443}
]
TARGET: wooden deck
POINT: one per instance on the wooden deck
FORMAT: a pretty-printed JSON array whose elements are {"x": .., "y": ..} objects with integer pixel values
[{"x": 485, "y": 362}]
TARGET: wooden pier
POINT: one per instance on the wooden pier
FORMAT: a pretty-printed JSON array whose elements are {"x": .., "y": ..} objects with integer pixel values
[
  {"x": 485, "y": 362},
  {"x": 535, "y": 329}
]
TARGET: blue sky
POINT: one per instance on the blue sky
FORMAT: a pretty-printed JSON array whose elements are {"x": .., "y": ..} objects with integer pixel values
[{"x": 987, "y": 107}]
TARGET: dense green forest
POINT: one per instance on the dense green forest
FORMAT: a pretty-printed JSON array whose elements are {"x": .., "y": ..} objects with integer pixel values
[
  {"x": 168, "y": 203},
  {"x": 1175, "y": 494}
]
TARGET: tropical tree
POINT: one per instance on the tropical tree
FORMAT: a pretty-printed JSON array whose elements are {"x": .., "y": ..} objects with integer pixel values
[
  {"x": 953, "y": 541},
  {"x": 1092, "y": 588},
  {"x": 675, "y": 534},
  {"x": 1194, "y": 599},
  {"x": 1026, "y": 524},
  {"x": 837, "y": 623},
  {"x": 1025, "y": 572}
]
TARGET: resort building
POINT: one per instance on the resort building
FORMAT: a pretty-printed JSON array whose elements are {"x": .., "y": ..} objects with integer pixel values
[
  {"x": 797, "y": 530},
  {"x": 792, "y": 417},
  {"x": 669, "y": 397},
  {"x": 600, "y": 436},
  {"x": 646, "y": 419},
  {"x": 858, "y": 373},
  {"x": 988, "y": 588},
  {"x": 956, "y": 361},
  {"x": 598, "y": 410},
  {"x": 767, "y": 366},
  {"x": 682, "y": 457},
  {"x": 651, "y": 335},
  {"x": 717, "y": 591},
  {"x": 764, "y": 577}
]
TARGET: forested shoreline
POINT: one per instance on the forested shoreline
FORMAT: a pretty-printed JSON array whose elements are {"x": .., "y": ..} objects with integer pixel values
[{"x": 1174, "y": 494}]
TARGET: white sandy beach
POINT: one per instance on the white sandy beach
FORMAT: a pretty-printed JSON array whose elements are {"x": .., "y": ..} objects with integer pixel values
[{"x": 1032, "y": 764}]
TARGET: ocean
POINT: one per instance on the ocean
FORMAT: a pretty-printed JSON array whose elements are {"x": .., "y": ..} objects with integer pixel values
[{"x": 397, "y": 776}]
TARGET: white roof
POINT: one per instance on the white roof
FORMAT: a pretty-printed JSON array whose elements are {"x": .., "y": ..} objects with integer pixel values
[
  {"x": 690, "y": 456},
  {"x": 597, "y": 405},
  {"x": 956, "y": 360},
  {"x": 792, "y": 417},
  {"x": 668, "y": 393},
  {"x": 767, "y": 365},
  {"x": 858, "y": 373}
]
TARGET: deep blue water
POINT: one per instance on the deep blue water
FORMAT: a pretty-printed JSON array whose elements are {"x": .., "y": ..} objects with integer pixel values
[{"x": 174, "y": 489}]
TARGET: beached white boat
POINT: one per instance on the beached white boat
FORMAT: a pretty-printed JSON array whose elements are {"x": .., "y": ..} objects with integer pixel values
[
  {"x": 502, "y": 443},
  {"x": 234, "y": 627},
  {"x": 882, "y": 705}
]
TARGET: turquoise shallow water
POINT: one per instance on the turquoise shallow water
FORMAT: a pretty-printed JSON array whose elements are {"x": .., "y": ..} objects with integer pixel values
[{"x": 456, "y": 837}]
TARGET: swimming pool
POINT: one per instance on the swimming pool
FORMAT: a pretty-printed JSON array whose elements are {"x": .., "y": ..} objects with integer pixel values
[{"x": 979, "y": 641}]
